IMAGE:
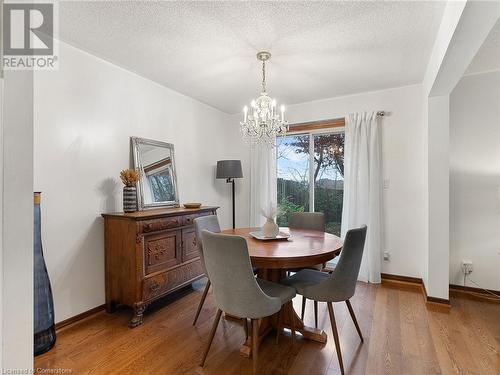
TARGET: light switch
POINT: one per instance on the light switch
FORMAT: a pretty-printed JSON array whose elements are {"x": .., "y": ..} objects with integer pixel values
[{"x": 387, "y": 183}]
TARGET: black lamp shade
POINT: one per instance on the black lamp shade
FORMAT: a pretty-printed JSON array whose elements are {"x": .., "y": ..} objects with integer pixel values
[{"x": 229, "y": 169}]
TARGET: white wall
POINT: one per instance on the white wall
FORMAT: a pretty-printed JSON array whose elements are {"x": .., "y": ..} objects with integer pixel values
[
  {"x": 451, "y": 17},
  {"x": 438, "y": 167},
  {"x": 84, "y": 115},
  {"x": 17, "y": 221},
  {"x": 1, "y": 215},
  {"x": 475, "y": 179},
  {"x": 403, "y": 166},
  {"x": 464, "y": 27},
  {"x": 449, "y": 22}
]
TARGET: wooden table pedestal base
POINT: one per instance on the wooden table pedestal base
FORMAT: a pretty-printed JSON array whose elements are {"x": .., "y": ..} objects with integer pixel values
[{"x": 270, "y": 324}]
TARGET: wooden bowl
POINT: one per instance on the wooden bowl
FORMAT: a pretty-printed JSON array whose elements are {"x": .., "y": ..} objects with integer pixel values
[{"x": 192, "y": 205}]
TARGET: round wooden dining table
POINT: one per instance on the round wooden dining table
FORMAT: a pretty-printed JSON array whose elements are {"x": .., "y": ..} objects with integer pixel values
[{"x": 273, "y": 258}]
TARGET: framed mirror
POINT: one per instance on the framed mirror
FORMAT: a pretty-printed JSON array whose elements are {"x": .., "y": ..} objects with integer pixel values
[{"x": 155, "y": 162}]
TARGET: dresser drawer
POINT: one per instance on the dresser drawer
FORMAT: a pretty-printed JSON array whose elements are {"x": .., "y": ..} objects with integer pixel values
[
  {"x": 146, "y": 226},
  {"x": 188, "y": 219},
  {"x": 158, "y": 285},
  {"x": 162, "y": 250}
]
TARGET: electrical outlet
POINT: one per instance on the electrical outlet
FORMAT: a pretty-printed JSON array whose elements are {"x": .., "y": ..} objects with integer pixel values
[
  {"x": 387, "y": 255},
  {"x": 466, "y": 267}
]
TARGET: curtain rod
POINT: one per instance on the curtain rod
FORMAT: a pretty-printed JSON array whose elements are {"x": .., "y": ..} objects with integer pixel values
[{"x": 325, "y": 124}]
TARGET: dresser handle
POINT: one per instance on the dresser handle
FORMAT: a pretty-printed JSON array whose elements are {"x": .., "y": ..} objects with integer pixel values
[
  {"x": 154, "y": 286},
  {"x": 148, "y": 227}
]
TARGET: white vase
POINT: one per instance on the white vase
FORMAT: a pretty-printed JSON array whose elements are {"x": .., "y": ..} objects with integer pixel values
[{"x": 270, "y": 228}]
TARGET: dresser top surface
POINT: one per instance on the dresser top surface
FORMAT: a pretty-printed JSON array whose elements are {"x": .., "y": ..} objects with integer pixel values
[{"x": 159, "y": 212}]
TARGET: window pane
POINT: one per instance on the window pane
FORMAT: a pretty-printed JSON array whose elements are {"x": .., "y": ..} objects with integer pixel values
[
  {"x": 292, "y": 154},
  {"x": 329, "y": 178}
]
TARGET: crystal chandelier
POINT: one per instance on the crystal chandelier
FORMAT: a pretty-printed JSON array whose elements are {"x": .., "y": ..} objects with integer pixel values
[{"x": 262, "y": 123}]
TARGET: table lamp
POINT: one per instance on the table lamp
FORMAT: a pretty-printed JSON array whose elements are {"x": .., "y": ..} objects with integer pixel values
[{"x": 229, "y": 169}]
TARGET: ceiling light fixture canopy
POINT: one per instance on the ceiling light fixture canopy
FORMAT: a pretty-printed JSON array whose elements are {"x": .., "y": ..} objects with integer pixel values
[{"x": 262, "y": 123}]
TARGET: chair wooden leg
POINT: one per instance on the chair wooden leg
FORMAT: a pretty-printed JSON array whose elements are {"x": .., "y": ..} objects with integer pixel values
[
  {"x": 211, "y": 338},
  {"x": 316, "y": 314},
  {"x": 353, "y": 316},
  {"x": 278, "y": 327},
  {"x": 202, "y": 301},
  {"x": 255, "y": 344},
  {"x": 291, "y": 316},
  {"x": 336, "y": 336},
  {"x": 245, "y": 327},
  {"x": 303, "y": 308}
]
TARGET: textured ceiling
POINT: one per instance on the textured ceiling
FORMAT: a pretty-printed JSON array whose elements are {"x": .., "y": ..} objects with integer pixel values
[
  {"x": 207, "y": 49},
  {"x": 488, "y": 56}
]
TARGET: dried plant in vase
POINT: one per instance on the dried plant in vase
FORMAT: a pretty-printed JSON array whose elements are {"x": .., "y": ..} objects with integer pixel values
[
  {"x": 130, "y": 177},
  {"x": 270, "y": 229}
]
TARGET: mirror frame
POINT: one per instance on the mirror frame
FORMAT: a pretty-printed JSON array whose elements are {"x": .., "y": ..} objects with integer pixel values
[{"x": 135, "y": 143}]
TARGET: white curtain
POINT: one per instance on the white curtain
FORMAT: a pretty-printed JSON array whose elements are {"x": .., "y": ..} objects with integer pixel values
[
  {"x": 362, "y": 188},
  {"x": 263, "y": 188}
]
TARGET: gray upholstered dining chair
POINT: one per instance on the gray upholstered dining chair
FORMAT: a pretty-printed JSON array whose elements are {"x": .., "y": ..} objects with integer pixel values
[
  {"x": 338, "y": 286},
  {"x": 307, "y": 220},
  {"x": 312, "y": 221},
  {"x": 237, "y": 291},
  {"x": 210, "y": 223}
]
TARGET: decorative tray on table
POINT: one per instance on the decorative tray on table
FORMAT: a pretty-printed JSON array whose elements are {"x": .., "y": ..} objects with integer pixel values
[{"x": 282, "y": 236}]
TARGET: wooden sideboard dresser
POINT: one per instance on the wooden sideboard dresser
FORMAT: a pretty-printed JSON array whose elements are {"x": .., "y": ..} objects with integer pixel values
[{"x": 150, "y": 254}]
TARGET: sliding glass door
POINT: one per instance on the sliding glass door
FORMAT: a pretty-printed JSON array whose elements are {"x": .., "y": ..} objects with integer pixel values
[
  {"x": 310, "y": 176},
  {"x": 293, "y": 175}
]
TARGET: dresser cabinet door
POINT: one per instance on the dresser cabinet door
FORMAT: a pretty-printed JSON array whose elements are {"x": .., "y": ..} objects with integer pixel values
[
  {"x": 162, "y": 250},
  {"x": 189, "y": 245}
]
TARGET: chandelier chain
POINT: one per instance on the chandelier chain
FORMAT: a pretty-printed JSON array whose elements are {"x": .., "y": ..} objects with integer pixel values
[{"x": 263, "y": 76}]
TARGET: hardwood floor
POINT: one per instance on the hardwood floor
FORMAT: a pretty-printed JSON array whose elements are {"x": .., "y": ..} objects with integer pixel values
[{"x": 402, "y": 336}]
